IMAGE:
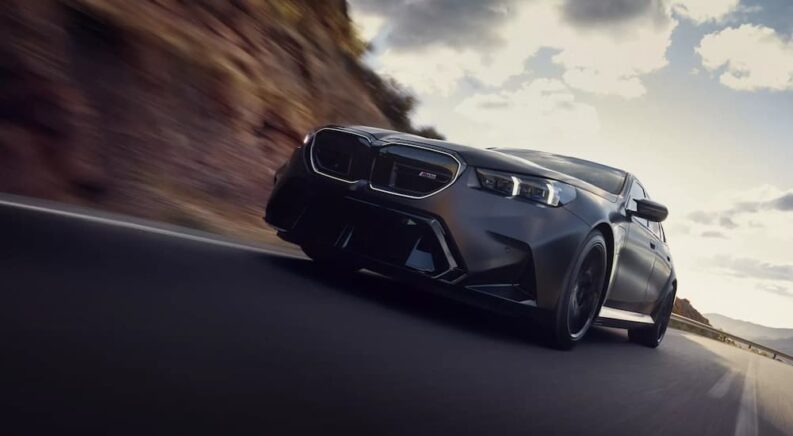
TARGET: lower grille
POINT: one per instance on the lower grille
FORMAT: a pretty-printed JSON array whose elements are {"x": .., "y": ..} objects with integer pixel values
[
  {"x": 412, "y": 242},
  {"x": 412, "y": 171}
]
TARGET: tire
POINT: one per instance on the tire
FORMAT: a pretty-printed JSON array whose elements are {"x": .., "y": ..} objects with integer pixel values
[
  {"x": 329, "y": 259},
  {"x": 653, "y": 335},
  {"x": 580, "y": 302}
]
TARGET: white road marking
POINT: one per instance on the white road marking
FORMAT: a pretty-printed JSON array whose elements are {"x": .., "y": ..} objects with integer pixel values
[
  {"x": 719, "y": 390},
  {"x": 746, "y": 422},
  {"x": 149, "y": 229}
]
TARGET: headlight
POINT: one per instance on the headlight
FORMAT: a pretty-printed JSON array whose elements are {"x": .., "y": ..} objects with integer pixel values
[{"x": 544, "y": 191}]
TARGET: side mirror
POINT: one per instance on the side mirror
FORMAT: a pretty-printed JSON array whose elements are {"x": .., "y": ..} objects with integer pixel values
[{"x": 650, "y": 210}]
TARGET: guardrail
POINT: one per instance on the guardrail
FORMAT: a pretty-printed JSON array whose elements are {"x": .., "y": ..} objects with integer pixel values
[{"x": 724, "y": 336}]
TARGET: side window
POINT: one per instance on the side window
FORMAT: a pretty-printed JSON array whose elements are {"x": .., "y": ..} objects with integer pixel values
[
  {"x": 637, "y": 193},
  {"x": 656, "y": 229}
]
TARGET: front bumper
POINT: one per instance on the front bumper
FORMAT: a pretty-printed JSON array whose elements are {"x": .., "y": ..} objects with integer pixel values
[{"x": 508, "y": 249}]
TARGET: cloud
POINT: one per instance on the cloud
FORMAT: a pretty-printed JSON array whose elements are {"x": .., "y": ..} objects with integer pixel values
[
  {"x": 369, "y": 25},
  {"x": 753, "y": 268},
  {"x": 775, "y": 289},
  {"x": 453, "y": 23},
  {"x": 439, "y": 67},
  {"x": 604, "y": 46},
  {"x": 613, "y": 63},
  {"x": 783, "y": 203},
  {"x": 747, "y": 207},
  {"x": 752, "y": 57},
  {"x": 702, "y": 217},
  {"x": 713, "y": 234},
  {"x": 474, "y": 23},
  {"x": 776, "y": 14},
  {"x": 438, "y": 74},
  {"x": 495, "y": 43},
  {"x": 727, "y": 222},
  {"x": 701, "y": 11},
  {"x": 726, "y": 217},
  {"x": 541, "y": 110},
  {"x": 609, "y": 12}
]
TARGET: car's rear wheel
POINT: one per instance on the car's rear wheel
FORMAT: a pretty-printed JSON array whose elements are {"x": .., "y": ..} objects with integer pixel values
[
  {"x": 330, "y": 259},
  {"x": 580, "y": 301},
  {"x": 653, "y": 335}
]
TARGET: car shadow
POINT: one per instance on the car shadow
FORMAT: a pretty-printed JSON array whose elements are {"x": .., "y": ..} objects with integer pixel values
[
  {"x": 419, "y": 302},
  {"x": 666, "y": 371}
]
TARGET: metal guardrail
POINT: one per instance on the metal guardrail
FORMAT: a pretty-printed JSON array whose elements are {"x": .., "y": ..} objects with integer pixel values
[{"x": 721, "y": 334}]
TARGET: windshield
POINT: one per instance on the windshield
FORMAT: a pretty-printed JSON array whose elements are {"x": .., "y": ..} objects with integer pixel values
[{"x": 604, "y": 177}]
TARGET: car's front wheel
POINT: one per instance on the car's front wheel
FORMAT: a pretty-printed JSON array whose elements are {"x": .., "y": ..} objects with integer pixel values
[
  {"x": 653, "y": 335},
  {"x": 581, "y": 298}
]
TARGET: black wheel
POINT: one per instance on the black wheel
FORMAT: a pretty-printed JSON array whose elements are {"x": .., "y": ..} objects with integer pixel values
[
  {"x": 580, "y": 301},
  {"x": 653, "y": 335},
  {"x": 329, "y": 259}
]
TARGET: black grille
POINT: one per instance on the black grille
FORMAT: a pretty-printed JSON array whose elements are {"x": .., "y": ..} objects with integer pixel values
[
  {"x": 413, "y": 242},
  {"x": 341, "y": 155},
  {"x": 400, "y": 169},
  {"x": 412, "y": 171}
]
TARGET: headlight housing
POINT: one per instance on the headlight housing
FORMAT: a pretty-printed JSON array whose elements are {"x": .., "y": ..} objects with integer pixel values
[{"x": 544, "y": 191}]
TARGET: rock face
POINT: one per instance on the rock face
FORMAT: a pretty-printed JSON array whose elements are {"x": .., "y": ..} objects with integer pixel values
[
  {"x": 171, "y": 110},
  {"x": 684, "y": 308}
]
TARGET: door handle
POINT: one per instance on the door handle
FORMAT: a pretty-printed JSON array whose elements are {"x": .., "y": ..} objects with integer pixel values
[{"x": 652, "y": 245}]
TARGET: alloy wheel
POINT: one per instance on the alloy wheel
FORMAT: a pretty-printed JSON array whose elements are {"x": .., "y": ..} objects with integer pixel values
[{"x": 586, "y": 291}]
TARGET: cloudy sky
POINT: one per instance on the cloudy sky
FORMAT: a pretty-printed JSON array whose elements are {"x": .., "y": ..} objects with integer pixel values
[{"x": 693, "y": 96}]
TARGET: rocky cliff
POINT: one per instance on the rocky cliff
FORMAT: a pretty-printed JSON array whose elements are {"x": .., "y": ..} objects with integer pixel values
[
  {"x": 176, "y": 111},
  {"x": 684, "y": 308}
]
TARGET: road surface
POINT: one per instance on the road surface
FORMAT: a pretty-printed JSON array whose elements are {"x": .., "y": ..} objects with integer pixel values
[{"x": 117, "y": 329}]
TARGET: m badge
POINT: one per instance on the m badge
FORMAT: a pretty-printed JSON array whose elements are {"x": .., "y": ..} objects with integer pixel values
[{"x": 427, "y": 175}]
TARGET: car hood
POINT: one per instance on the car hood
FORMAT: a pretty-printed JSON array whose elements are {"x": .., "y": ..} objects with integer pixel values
[{"x": 483, "y": 158}]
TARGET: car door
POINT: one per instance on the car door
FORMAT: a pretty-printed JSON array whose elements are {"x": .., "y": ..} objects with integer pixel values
[
  {"x": 662, "y": 268},
  {"x": 636, "y": 258}
]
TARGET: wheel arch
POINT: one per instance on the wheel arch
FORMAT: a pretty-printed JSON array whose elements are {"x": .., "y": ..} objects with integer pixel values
[
  {"x": 608, "y": 234},
  {"x": 669, "y": 288}
]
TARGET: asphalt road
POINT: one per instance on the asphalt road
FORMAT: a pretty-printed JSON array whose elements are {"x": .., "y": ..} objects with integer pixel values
[{"x": 116, "y": 330}]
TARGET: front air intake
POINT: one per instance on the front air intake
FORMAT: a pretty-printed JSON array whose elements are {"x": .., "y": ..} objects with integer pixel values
[{"x": 412, "y": 171}]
